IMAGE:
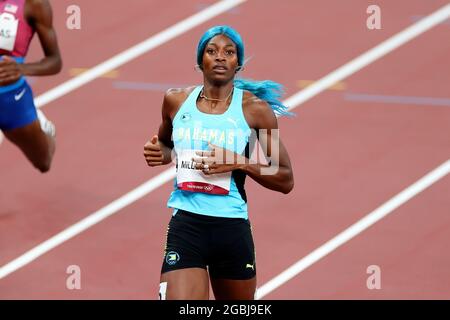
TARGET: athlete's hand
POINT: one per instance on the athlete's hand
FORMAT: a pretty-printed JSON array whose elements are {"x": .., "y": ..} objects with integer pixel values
[
  {"x": 10, "y": 71},
  {"x": 153, "y": 153},
  {"x": 218, "y": 160}
]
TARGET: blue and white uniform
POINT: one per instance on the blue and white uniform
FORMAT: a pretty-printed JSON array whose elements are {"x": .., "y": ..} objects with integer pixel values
[
  {"x": 218, "y": 195},
  {"x": 16, "y": 100}
]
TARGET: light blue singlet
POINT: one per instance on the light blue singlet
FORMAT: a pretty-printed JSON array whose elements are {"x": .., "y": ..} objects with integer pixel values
[{"x": 192, "y": 129}]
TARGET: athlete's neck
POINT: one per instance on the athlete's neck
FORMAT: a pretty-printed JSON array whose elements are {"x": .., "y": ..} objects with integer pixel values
[{"x": 217, "y": 92}]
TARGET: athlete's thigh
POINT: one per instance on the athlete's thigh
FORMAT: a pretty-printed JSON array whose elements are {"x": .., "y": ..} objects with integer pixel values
[
  {"x": 185, "y": 284},
  {"x": 233, "y": 268},
  {"x": 184, "y": 263},
  {"x": 19, "y": 123},
  {"x": 225, "y": 289}
]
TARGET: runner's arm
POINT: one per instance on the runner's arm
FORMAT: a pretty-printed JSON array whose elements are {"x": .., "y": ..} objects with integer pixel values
[
  {"x": 278, "y": 175},
  {"x": 40, "y": 16}
]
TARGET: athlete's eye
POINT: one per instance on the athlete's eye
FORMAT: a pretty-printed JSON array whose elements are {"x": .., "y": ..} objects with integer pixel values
[
  {"x": 210, "y": 51},
  {"x": 230, "y": 52}
]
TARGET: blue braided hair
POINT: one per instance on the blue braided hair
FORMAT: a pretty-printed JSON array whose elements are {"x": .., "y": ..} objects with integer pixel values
[{"x": 266, "y": 90}]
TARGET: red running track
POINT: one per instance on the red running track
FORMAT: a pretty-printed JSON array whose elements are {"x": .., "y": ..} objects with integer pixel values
[{"x": 348, "y": 157}]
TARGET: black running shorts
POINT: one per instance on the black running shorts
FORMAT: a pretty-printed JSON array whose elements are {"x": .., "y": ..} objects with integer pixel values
[{"x": 223, "y": 246}]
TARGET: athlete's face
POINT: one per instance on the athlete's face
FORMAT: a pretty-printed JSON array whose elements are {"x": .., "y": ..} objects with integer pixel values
[{"x": 220, "y": 61}]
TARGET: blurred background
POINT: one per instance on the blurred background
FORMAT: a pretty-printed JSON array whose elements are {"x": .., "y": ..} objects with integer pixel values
[{"x": 354, "y": 145}]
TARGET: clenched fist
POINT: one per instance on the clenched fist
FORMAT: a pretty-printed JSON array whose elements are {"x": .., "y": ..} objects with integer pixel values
[
  {"x": 9, "y": 71},
  {"x": 153, "y": 153}
]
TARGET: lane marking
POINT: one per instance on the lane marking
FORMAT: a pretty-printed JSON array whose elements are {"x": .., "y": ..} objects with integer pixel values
[
  {"x": 418, "y": 17},
  {"x": 137, "y": 50},
  {"x": 234, "y": 11},
  {"x": 113, "y": 74},
  {"x": 372, "y": 55},
  {"x": 355, "y": 229},
  {"x": 146, "y": 86},
  {"x": 386, "y": 99},
  {"x": 341, "y": 73},
  {"x": 295, "y": 100},
  {"x": 88, "y": 222},
  {"x": 338, "y": 86}
]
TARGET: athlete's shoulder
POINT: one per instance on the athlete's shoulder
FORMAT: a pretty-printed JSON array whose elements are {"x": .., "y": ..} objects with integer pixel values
[
  {"x": 38, "y": 10},
  {"x": 174, "y": 94},
  {"x": 258, "y": 112},
  {"x": 174, "y": 98},
  {"x": 255, "y": 107},
  {"x": 251, "y": 101},
  {"x": 38, "y": 4}
]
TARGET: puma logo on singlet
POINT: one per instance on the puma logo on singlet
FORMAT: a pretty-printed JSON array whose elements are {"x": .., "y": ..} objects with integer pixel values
[
  {"x": 249, "y": 266},
  {"x": 232, "y": 121}
]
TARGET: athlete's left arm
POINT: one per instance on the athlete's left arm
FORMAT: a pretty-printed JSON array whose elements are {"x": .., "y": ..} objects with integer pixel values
[
  {"x": 277, "y": 176},
  {"x": 40, "y": 16}
]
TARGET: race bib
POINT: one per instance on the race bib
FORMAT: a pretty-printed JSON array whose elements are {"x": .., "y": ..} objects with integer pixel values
[
  {"x": 190, "y": 179},
  {"x": 8, "y": 31}
]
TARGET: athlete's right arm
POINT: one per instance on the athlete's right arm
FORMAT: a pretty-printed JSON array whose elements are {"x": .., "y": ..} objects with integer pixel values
[
  {"x": 158, "y": 151},
  {"x": 40, "y": 16}
]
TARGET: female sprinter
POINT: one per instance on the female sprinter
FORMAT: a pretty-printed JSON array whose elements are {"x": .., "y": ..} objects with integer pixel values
[
  {"x": 20, "y": 122},
  {"x": 209, "y": 235}
]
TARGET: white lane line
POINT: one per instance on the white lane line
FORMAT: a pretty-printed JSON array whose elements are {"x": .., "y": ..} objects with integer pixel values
[
  {"x": 88, "y": 222},
  {"x": 346, "y": 70},
  {"x": 291, "y": 102},
  {"x": 351, "y": 232},
  {"x": 372, "y": 55},
  {"x": 137, "y": 50}
]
